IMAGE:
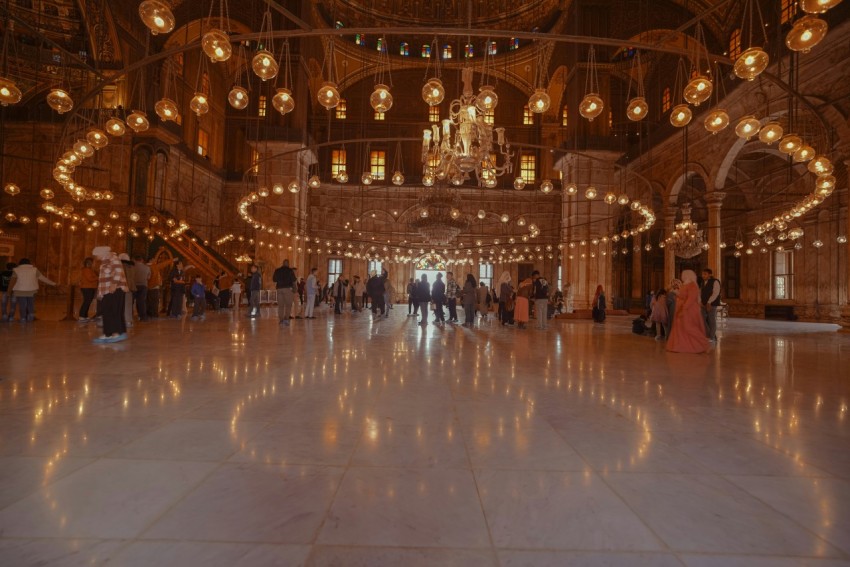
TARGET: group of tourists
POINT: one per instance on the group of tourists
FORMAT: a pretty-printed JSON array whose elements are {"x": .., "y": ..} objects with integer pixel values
[{"x": 18, "y": 286}]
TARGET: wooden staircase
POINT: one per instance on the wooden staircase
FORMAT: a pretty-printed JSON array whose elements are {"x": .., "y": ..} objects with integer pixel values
[{"x": 197, "y": 258}]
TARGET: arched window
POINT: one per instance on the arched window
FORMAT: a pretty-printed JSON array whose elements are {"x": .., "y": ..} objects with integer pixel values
[
  {"x": 447, "y": 51},
  {"x": 564, "y": 116},
  {"x": 735, "y": 44},
  {"x": 426, "y": 50},
  {"x": 468, "y": 50},
  {"x": 404, "y": 49}
]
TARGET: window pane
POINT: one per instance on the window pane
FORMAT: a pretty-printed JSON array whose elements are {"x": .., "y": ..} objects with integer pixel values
[{"x": 377, "y": 164}]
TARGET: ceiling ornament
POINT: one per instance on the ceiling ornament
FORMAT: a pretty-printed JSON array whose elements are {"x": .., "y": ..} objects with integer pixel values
[
  {"x": 687, "y": 239},
  {"x": 9, "y": 91},
  {"x": 263, "y": 63},
  {"x": 216, "y": 41},
  {"x": 282, "y": 100},
  {"x": 328, "y": 95},
  {"x": 638, "y": 109},
  {"x": 591, "y": 105},
  {"x": 157, "y": 16},
  {"x": 440, "y": 220},
  {"x": 466, "y": 144}
]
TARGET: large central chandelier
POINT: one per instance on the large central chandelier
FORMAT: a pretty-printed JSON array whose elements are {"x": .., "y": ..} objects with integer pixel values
[
  {"x": 440, "y": 220},
  {"x": 465, "y": 144},
  {"x": 687, "y": 239}
]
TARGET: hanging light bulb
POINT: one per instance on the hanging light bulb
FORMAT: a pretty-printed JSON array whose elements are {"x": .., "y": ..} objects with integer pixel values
[
  {"x": 216, "y": 44},
  {"x": 381, "y": 99},
  {"x": 428, "y": 179},
  {"x": 698, "y": 90},
  {"x": 519, "y": 183},
  {"x": 487, "y": 99},
  {"x": 623, "y": 199},
  {"x": 367, "y": 178},
  {"x": 398, "y": 178},
  {"x": 505, "y": 218},
  {"x": 681, "y": 115},
  {"x": 546, "y": 186},
  {"x": 328, "y": 95},
  {"x": 818, "y": 6},
  {"x": 433, "y": 92},
  {"x": 263, "y": 191},
  {"x": 199, "y": 104},
  {"x": 138, "y": 121},
  {"x": 283, "y": 101},
  {"x": 9, "y": 92},
  {"x": 637, "y": 109},
  {"x": 97, "y": 138},
  {"x": 747, "y": 127},
  {"x": 293, "y": 187},
  {"x": 314, "y": 182},
  {"x": 238, "y": 97},
  {"x": 539, "y": 101},
  {"x": 790, "y": 143},
  {"x": 571, "y": 188},
  {"x": 770, "y": 133},
  {"x": 166, "y": 109},
  {"x": 716, "y": 120},
  {"x": 156, "y": 16},
  {"x": 47, "y": 194},
  {"x": 264, "y": 65},
  {"x": 60, "y": 101},
  {"x": 591, "y": 106},
  {"x": 804, "y": 154},
  {"x": 115, "y": 127},
  {"x": 12, "y": 189},
  {"x": 751, "y": 63},
  {"x": 610, "y": 198},
  {"x": 342, "y": 176},
  {"x": 590, "y": 193},
  {"x": 821, "y": 166},
  {"x": 807, "y": 32},
  {"x": 825, "y": 185},
  {"x": 83, "y": 149}
]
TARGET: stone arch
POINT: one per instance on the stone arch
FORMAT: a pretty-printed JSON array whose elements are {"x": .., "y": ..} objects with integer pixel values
[{"x": 675, "y": 185}]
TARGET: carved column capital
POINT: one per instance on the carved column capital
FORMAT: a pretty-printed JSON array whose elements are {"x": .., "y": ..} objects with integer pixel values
[{"x": 715, "y": 198}]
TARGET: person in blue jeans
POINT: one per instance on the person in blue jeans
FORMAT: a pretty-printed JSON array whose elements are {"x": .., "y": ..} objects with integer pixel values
[{"x": 199, "y": 294}]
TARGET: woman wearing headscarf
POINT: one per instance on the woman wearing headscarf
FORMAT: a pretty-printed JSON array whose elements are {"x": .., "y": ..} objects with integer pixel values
[
  {"x": 469, "y": 296},
  {"x": 688, "y": 332},
  {"x": 506, "y": 299},
  {"x": 599, "y": 305}
]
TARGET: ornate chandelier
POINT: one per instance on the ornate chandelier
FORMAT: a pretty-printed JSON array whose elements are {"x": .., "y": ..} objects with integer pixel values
[
  {"x": 440, "y": 220},
  {"x": 687, "y": 239},
  {"x": 465, "y": 144}
]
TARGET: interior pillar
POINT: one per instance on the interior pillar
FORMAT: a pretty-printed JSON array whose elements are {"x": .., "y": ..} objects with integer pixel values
[{"x": 714, "y": 201}]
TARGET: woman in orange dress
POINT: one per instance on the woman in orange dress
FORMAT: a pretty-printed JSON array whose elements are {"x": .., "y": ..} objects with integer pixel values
[
  {"x": 521, "y": 311},
  {"x": 688, "y": 332}
]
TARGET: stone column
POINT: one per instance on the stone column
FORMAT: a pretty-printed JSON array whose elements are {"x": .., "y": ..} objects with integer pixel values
[
  {"x": 714, "y": 200},
  {"x": 669, "y": 255},
  {"x": 637, "y": 271},
  {"x": 844, "y": 319}
]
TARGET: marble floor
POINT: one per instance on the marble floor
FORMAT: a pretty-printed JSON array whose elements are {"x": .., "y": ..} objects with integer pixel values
[{"x": 348, "y": 441}]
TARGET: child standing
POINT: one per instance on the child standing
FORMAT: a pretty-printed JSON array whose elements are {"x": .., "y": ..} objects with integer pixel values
[
  {"x": 660, "y": 315},
  {"x": 199, "y": 293}
]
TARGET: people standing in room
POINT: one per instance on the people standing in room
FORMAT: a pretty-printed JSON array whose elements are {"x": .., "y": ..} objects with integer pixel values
[
  {"x": 286, "y": 283},
  {"x": 412, "y": 306},
  {"x": 710, "y": 298},
  {"x": 111, "y": 288},
  {"x": 24, "y": 286},
  {"x": 88, "y": 287},
  {"x": 522, "y": 305},
  {"x": 438, "y": 296},
  {"x": 599, "y": 305},
  {"x": 339, "y": 292},
  {"x": 660, "y": 315},
  {"x": 154, "y": 301},
  {"x": 311, "y": 289},
  {"x": 7, "y": 303},
  {"x": 568, "y": 298},
  {"x": 672, "y": 293},
  {"x": 423, "y": 298},
  {"x": 506, "y": 299},
  {"x": 199, "y": 295},
  {"x": 688, "y": 332},
  {"x": 358, "y": 290},
  {"x": 255, "y": 286},
  {"x": 375, "y": 289},
  {"x": 483, "y": 301},
  {"x": 452, "y": 293},
  {"x": 224, "y": 283},
  {"x": 141, "y": 275},
  {"x": 540, "y": 294},
  {"x": 469, "y": 295},
  {"x": 177, "y": 283},
  {"x": 236, "y": 292},
  {"x": 130, "y": 274},
  {"x": 389, "y": 294}
]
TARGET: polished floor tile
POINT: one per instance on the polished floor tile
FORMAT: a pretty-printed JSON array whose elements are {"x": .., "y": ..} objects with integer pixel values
[{"x": 349, "y": 441}]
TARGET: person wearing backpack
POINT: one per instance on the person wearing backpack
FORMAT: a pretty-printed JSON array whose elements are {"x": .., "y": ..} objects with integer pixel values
[{"x": 540, "y": 293}]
